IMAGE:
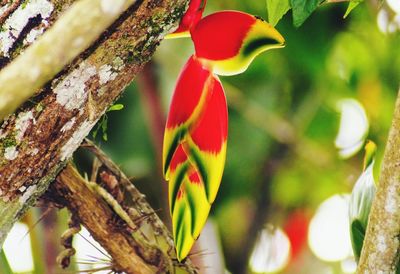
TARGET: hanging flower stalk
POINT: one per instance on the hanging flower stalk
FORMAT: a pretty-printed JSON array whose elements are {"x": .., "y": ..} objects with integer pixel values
[{"x": 196, "y": 131}]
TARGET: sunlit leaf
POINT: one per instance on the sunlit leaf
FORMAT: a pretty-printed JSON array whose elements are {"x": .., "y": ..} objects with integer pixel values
[
  {"x": 351, "y": 6},
  {"x": 115, "y": 107},
  {"x": 302, "y": 9},
  {"x": 276, "y": 10}
]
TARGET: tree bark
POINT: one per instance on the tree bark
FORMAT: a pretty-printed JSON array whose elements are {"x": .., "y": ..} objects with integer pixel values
[
  {"x": 37, "y": 140},
  {"x": 79, "y": 27},
  {"x": 380, "y": 253},
  {"x": 145, "y": 248}
]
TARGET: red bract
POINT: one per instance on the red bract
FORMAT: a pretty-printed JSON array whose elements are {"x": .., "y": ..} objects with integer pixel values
[
  {"x": 190, "y": 19},
  {"x": 212, "y": 129},
  {"x": 195, "y": 136},
  {"x": 195, "y": 77},
  {"x": 227, "y": 41},
  {"x": 194, "y": 151},
  {"x": 220, "y": 35}
]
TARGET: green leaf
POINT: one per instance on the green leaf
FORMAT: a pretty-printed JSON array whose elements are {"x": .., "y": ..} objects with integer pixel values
[
  {"x": 351, "y": 6},
  {"x": 276, "y": 10},
  {"x": 115, "y": 107},
  {"x": 302, "y": 10},
  {"x": 357, "y": 232}
]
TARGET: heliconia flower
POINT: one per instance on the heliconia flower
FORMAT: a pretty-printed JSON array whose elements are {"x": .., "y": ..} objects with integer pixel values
[
  {"x": 361, "y": 199},
  {"x": 228, "y": 41},
  {"x": 189, "y": 19},
  {"x": 194, "y": 150}
]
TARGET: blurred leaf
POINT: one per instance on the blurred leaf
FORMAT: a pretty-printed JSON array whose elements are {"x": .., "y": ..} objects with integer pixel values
[
  {"x": 4, "y": 265},
  {"x": 302, "y": 9},
  {"x": 351, "y": 6},
  {"x": 276, "y": 10}
]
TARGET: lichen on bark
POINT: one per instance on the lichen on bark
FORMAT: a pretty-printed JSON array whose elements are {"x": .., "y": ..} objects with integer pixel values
[{"x": 56, "y": 126}]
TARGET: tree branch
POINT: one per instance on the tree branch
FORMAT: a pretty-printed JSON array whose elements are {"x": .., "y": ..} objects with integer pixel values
[
  {"x": 36, "y": 141},
  {"x": 79, "y": 27},
  {"x": 380, "y": 253},
  {"x": 146, "y": 249},
  {"x": 96, "y": 215},
  {"x": 140, "y": 211}
]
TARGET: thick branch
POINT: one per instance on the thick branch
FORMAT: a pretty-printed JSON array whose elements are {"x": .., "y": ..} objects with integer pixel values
[
  {"x": 127, "y": 250},
  {"x": 380, "y": 253},
  {"x": 43, "y": 134},
  {"x": 77, "y": 29},
  {"x": 98, "y": 217},
  {"x": 149, "y": 225}
]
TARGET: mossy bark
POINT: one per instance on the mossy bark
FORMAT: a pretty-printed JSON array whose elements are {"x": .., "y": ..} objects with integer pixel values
[
  {"x": 42, "y": 134},
  {"x": 79, "y": 27}
]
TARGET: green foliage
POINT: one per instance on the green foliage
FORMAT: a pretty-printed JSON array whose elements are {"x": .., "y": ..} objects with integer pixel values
[
  {"x": 103, "y": 123},
  {"x": 357, "y": 239},
  {"x": 115, "y": 107},
  {"x": 302, "y": 9},
  {"x": 351, "y": 6},
  {"x": 276, "y": 9}
]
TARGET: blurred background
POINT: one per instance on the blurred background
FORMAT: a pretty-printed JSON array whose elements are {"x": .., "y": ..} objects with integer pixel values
[{"x": 283, "y": 202}]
